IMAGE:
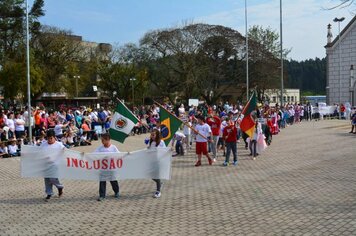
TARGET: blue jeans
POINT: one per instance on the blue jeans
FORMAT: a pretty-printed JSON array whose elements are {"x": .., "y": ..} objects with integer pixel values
[
  {"x": 231, "y": 146},
  {"x": 179, "y": 147},
  {"x": 49, "y": 182},
  {"x": 213, "y": 145}
]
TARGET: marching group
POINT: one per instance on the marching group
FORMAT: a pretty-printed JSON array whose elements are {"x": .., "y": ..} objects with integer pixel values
[{"x": 214, "y": 129}]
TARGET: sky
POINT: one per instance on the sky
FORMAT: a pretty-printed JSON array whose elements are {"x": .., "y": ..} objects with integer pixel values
[{"x": 126, "y": 21}]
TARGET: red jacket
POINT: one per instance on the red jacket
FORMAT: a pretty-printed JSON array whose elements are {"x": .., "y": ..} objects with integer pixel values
[
  {"x": 230, "y": 133},
  {"x": 214, "y": 123}
]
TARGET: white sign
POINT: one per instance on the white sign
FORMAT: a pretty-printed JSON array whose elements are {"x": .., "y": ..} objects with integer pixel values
[
  {"x": 69, "y": 164},
  {"x": 194, "y": 102}
]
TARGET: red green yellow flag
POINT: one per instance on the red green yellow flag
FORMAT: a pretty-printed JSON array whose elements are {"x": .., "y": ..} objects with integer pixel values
[{"x": 248, "y": 124}]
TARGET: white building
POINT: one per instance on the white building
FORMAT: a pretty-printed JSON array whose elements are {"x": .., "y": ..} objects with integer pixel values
[
  {"x": 289, "y": 96},
  {"x": 340, "y": 59}
]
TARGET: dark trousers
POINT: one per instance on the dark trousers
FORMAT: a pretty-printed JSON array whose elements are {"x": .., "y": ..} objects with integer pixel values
[
  {"x": 179, "y": 147},
  {"x": 158, "y": 184},
  {"x": 102, "y": 187},
  {"x": 231, "y": 147},
  {"x": 253, "y": 144}
]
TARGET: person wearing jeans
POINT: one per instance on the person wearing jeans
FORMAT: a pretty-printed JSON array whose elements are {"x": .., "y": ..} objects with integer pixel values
[
  {"x": 230, "y": 136},
  {"x": 107, "y": 147},
  {"x": 214, "y": 122}
]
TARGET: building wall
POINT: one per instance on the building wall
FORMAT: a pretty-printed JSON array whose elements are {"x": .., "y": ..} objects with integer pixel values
[
  {"x": 343, "y": 52},
  {"x": 289, "y": 95}
]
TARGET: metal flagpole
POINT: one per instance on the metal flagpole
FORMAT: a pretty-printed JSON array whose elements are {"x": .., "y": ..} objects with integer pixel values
[
  {"x": 28, "y": 76},
  {"x": 246, "y": 37},
  {"x": 281, "y": 42}
]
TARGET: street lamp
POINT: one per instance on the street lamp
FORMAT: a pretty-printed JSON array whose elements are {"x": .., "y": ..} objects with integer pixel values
[
  {"x": 76, "y": 77},
  {"x": 133, "y": 94},
  {"x": 352, "y": 85},
  {"x": 339, "y": 20}
]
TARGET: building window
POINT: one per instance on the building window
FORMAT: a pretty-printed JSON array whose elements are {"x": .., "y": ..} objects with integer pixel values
[
  {"x": 288, "y": 99},
  {"x": 292, "y": 99},
  {"x": 274, "y": 98}
]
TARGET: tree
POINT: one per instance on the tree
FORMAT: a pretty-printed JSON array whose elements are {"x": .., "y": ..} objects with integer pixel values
[
  {"x": 12, "y": 46},
  {"x": 59, "y": 54},
  {"x": 309, "y": 75},
  {"x": 123, "y": 72},
  {"x": 189, "y": 61},
  {"x": 343, "y": 4},
  {"x": 12, "y": 28},
  {"x": 264, "y": 61}
]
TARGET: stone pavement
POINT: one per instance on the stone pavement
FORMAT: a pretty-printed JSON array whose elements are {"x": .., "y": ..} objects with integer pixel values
[{"x": 303, "y": 184}]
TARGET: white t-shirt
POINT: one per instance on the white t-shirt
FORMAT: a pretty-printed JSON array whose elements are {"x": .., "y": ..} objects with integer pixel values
[
  {"x": 55, "y": 145},
  {"x": 19, "y": 127},
  {"x": 204, "y": 130},
  {"x": 179, "y": 136},
  {"x": 186, "y": 129},
  {"x": 111, "y": 148},
  {"x": 11, "y": 124},
  {"x": 4, "y": 150},
  {"x": 58, "y": 130},
  {"x": 181, "y": 110},
  {"x": 13, "y": 148},
  {"x": 160, "y": 145}
]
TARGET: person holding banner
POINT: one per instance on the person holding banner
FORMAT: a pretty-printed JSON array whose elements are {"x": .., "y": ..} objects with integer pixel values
[
  {"x": 52, "y": 144},
  {"x": 156, "y": 142},
  {"x": 202, "y": 131},
  {"x": 107, "y": 147}
]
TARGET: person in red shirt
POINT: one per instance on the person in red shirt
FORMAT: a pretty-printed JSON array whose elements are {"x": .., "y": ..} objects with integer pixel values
[
  {"x": 230, "y": 137},
  {"x": 342, "y": 110},
  {"x": 214, "y": 122}
]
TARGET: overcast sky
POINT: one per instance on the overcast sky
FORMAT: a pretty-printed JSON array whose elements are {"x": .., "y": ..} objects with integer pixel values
[{"x": 125, "y": 21}]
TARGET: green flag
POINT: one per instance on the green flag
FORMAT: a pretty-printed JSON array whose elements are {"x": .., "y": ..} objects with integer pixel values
[
  {"x": 122, "y": 123},
  {"x": 169, "y": 125}
]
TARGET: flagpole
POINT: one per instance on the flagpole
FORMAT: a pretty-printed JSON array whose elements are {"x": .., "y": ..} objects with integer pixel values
[
  {"x": 28, "y": 76},
  {"x": 184, "y": 122}
]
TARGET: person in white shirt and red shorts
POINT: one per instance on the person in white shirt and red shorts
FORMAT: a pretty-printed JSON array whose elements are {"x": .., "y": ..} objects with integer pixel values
[{"x": 202, "y": 131}]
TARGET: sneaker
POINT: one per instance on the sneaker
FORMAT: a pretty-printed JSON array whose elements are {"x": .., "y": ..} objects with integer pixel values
[
  {"x": 225, "y": 163},
  {"x": 198, "y": 163},
  {"x": 157, "y": 194},
  {"x": 210, "y": 161},
  {"x": 60, "y": 192},
  {"x": 117, "y": 195},
  {"x": 214, "y": 160},
  {"x": 254, "y": 158},
  {"x": 48, "y": 197},
  {"x": 235, "y": 163},
  {"x": 100, "y": 199}
]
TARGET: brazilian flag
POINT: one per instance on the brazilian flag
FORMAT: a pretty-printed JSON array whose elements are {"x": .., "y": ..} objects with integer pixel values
[{"x": 169, "y": 125}]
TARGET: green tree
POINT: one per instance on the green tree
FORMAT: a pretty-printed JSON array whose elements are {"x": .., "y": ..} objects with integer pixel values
[
  {"x": 193, "y": 61},
  {"x": 59, "y": 54},
  {"x": 12, "y": 46},
  {"x": 124, "y": 72},
  {"x": 264, "y": 51}
]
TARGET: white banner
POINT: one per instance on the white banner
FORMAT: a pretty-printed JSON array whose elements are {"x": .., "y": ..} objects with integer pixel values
[{"x": 69, "y": 164}]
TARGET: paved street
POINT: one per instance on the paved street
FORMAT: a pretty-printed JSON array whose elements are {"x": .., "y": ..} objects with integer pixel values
[{"x": 303, "y": 184}]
